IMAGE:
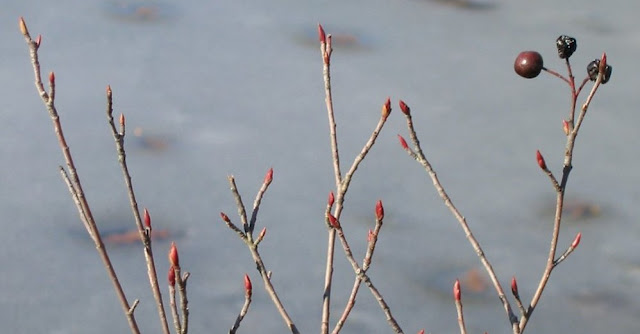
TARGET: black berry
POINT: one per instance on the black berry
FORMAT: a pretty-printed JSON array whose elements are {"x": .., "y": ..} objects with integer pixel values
[
  {"x": 566, "y": 46},
  {"x": 593, "y": 69},
  {"x": 528, "y": 64}
]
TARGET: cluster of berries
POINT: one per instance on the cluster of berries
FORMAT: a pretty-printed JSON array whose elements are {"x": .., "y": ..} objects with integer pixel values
[{"x": 529, "y": 63}]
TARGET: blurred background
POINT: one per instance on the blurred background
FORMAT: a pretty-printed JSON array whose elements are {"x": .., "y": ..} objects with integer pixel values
[{"x": 214, "y": 88}]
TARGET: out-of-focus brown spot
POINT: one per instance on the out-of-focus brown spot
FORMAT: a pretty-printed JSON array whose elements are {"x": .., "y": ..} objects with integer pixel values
[
  {"x": 132, "y": 236},
  {"x": 474, "y": 281}
]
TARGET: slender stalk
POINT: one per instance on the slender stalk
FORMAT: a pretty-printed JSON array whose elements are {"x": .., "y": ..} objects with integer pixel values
[
  {"x": 73, "y": 180},
  {"x": 145, "y": 237}
]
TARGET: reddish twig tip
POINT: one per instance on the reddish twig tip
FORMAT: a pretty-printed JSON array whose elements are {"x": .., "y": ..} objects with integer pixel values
[
  {"x": 333, "y": 221},
  {"x": 322, "y": 37},
  {"x": 565, "y": 127},
  {"x": 421, "y": 331},
  {"x": 225, "y": 217},
  {"x": 514, "y": 286},
  {"x": 456, "y": 290},
  {"x": 576, "y": 241},
  {"x": 147, "y": 218},
  {"x": 109, "y": 92},
  {"x": 331, "y": 199},
  {"x": 121, "y": 119},
  {"x": 386, "y": 108},
  {"x": 403, "y": 143},
  {"x": 174, "y": 260},
  {"x": 268, "y": 177},
  {"x": 263, "y": 232},
  {"x": 541, "y": 161},
  {"x": 404, "y": 108},
  {"x": 248, "y": 289},
  {"x": 603, "y": 63},
  {"x": 379, "y": 210},
  {"x": 52, "y": 78},
  {"x": 38, "y": 40}
]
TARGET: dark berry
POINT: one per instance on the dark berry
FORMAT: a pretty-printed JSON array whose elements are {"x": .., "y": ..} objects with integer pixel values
[
  {"x": 593, "y": 69},
  {"x": 528, "y": 64},
  {"x": 566, "y": 46}
]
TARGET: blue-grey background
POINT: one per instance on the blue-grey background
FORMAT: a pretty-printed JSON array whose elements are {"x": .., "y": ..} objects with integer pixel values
[{"x": 235, "y": 87}]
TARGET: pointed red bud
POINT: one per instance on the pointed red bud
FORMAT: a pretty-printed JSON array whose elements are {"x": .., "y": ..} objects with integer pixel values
[
  {"x": 263, "y": 232},
  {"x": 268, "y": 177},
  {"x": 331, "y": 199},
  {"x": 147, "y": 218},
  {"x": 173, "y": 256},
  {"x": 541, "y": 162},
  {"x": 52, "y": 78},
  {"x": 514, "y": 286},
  {"x": 225, "y": 217},
  {"x": 38, "y": 40},
  {"x": 603, "y": 63},
  {"x": 171, "y": 276},
  {"x": 405, "y": 108},
  {"x": 421, "y": 331},
  {"x": 23, "y": 26},
  {"x": 333, "y": 221},
  {"x": 565, "y": 127},
  {"x": 121, "y": 119},
  {"x": 456, "y": 290},
  {"x": 386, "y": 108},
  {"x": 403, "y": 143},
  {"x": 379, "y": 210},
  {"x": 576, "y": 241},
  {"x": 248, "y": 289},
  {"x": 321, "y": 35}
]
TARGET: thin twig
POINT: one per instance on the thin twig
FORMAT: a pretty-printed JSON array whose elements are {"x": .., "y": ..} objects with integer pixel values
[
  {"x": 245, "y": 306},
  {"x": 458, "y": 301},
  {"x": 174, "y": 307},
  {"x": 418, "y": 154},
  {"x": 255, "y": 254},
  {"x": 568, "y": 158},
  {"x": 325, "y": 50},
  {"x": 367, "y": 280},
  {"x": 181, "y": 281},
  {"x": 77, "y": 192},
  {"x": 366, "y": 262},
  {"x": 145, "y": 238}
]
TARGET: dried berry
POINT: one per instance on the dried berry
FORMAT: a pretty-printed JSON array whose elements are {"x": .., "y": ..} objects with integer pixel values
[
  {"x": 566, "y": 46},
  {"x": 593, "y": 68},
  {"x": 528, "y": 64}
]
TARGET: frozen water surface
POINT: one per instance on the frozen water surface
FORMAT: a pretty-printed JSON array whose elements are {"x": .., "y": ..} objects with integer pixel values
[{"x": 235, "y": 87}]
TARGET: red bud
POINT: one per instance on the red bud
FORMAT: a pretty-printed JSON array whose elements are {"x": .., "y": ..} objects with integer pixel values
[
  {"x": 403, "y": 143},
  {"x": 514, "y": 286},
  {"x": 421, "y": 331},
  {"x": 386, "y": 108},
  {"x": 147, "y": 218},
  {"x": 263, "y": 232},
  {"x": 171, "y": 276},
  {"x": 456, "y": 290},
  {"x": 405, "y": 108},
  {"x": 38, "y": 40},
  {"x": 52, "y": 78},
  {"x": 268, "y": 177},
  {"x": 321, "y": 35},
  {"x": 565, "y": 127},
  {"x": 173, "y": 256},
  {"x": 331, "y": 199},
  {"x": 248, "y": 289},
  {"x": 121, "y": 119},
  {"x": 379, "y": 210},
  {"x": 576, "y": 241},
  {"x": 23, "y": 26},
  {"x": 333, "y": 221},
  {"x": 603, "y": 63},
  {"x": 541, "y": 162},
  {"x": 109, "y": 93},
  {"x": 225, "y": 217}
]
